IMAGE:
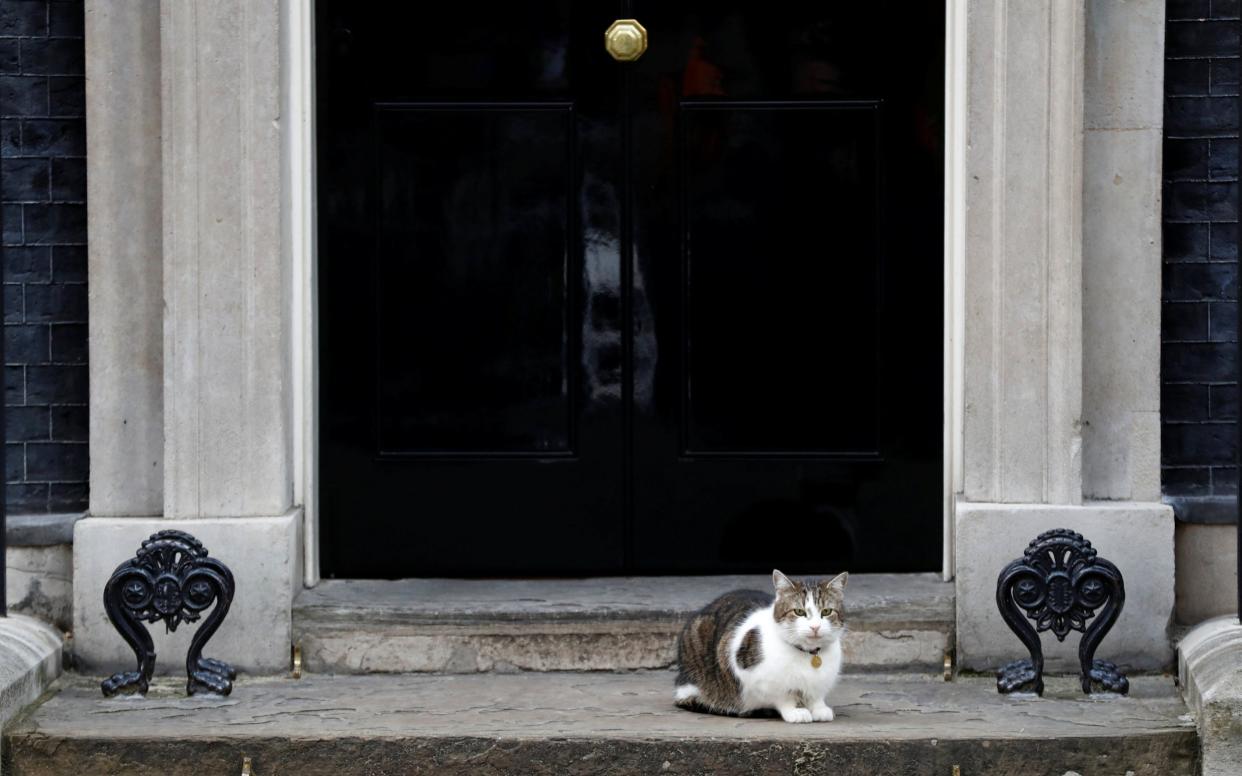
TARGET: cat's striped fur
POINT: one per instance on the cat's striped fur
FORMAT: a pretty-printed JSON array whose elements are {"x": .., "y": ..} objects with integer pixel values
[{"x": 749, "y": 651}]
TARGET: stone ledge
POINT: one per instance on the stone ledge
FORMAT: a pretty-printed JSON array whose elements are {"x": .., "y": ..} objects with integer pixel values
[
  {"x": 1209, "y": 666},
  {"x": 31, "y": 657},
  {"x": 39, "y": 530},
  {"x": 1209, "y": 510},
  {"x": 896, "y": 622}
]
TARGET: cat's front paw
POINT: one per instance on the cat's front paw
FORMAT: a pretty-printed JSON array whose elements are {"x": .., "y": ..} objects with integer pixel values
[
  {"x": 796, "y": 715},
  {"x": 822, "y": 713}
]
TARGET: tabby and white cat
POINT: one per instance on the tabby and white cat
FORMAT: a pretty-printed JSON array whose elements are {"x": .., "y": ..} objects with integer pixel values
[{"x": 748, "y": 651}]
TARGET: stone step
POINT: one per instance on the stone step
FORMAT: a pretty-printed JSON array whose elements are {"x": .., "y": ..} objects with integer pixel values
[
  {"x": 895, "y": 621},
  {"x": 595, "y": 723}
]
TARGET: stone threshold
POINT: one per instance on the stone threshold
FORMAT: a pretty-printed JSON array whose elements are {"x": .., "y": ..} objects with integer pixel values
[
  {"x": 895, "y": 621},
  {"x": 575, "y": 723}
]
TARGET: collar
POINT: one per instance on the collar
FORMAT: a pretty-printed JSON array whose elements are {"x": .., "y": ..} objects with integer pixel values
[{"x": 808, "y": 651}]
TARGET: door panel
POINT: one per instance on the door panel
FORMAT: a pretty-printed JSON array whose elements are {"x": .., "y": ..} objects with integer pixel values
[
  {"x": 470, "y": 399},
  {"x": 780, "y": 278},
  {"x": 585, "y": 317},
  {"x": 787, "y": 271},
  {"x": 472, "y": 292}
]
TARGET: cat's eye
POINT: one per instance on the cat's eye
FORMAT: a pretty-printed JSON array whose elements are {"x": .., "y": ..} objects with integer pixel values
[
  {"x": 827, "y": 613},
  {"x": 800, "y": 612}
]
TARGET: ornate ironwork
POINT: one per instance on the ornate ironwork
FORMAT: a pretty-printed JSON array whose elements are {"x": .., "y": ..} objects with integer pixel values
[
  {"x": 1060, "y": 582},
  {"x": 171, "y": 579}
]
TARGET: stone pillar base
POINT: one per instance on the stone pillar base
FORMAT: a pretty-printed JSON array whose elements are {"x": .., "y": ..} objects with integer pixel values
[
  {"x": 1136, "y": 536},
  {"x": 264, "y": 554}
]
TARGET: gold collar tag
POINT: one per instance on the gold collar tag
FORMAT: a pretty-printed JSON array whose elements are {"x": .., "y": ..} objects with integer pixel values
[{"x": 816, "y": 661}]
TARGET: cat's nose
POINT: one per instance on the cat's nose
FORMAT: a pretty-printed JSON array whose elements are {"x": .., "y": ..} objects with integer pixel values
[{"x": 814, "y": 630}]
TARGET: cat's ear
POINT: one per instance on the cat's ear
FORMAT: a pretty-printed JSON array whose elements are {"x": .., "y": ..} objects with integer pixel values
[
  {"x": 781, "y": 582},
  {"x": 838, "y": 582}
]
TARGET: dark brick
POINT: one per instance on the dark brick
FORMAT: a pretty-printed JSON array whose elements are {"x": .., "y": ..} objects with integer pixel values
[
  {"x": 1224, "y": 480},
  {"x": 1199, "y": 362},
  {"x": 1201, "y": 39},
  {"x": 1223, "y": 402},
  {"x": 1190, "y": 201},
  {"x": 1182, "y": 282},
  {"x": 1223, "y": 322},
  {"x": 1184, "y": 403},
  {"x": 69, "y": 180},
  {"x": 67, "y": 303},
  {"x": 1224, "y": 9},
  {"x": 1185, "y": 242},
  {"x": 14, "y": 233},
  {"x": 8, "y": 56},
  {"x": 67, "y": 496},
  {"x": 69, "y": 263},
  {"x": 51, "y": 224},
  {"x": 56, "y": 461},
  {"x": 53, "y": 137},
  {"x": 25, "y": 180},
  {"x": 14, "y": 385},
  {"x": 66, "y": 19},
  {"x": 1224, "y": 242},
  {"x": 10, "y": 137},
  {"x": 27, "y": 264},
  {"x": 28, "y": 423},
  {"x": 23, "y": 17},
  {"x": 69, "y": 343},
  {"x": 1189, "y": 481},
  {"x": 1224, "y": 76},
  {"x": 27, "y": 497},
  {"x": 14, "y": 303},
  {"x": 26, "y": 344},
  {"x": 54, "y": 56},
  {"x": 58, "y": 384},
  {"x": 23, "y": 95},
  {"x": 1185, "y": 159},
  {"x": 70, "y": 424},
  {"x": 1183, "y": 322},
  {"x": 1188, "y": 9},
  {"x": 66, "y": 97},
  {"x": 1199, "y": 116},
  {"x": 14, "y": 462},
  {"x": 1187, "y": 76},
  {"x": 1189, "y": 444},
  {"x": 1223, "y": 159}
]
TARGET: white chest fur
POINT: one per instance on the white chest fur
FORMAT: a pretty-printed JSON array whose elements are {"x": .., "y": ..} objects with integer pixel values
[{"x": 786, "y": 676}]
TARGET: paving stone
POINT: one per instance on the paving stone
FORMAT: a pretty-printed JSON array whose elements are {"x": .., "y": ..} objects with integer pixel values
[{"x": 599, "y": 723}]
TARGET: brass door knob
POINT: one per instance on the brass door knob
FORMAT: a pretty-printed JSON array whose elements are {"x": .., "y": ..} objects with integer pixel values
[{"x": 625, "y": 40}]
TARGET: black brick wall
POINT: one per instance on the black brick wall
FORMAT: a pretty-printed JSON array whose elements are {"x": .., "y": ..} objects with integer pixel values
[{"x": 43, "y": 182}]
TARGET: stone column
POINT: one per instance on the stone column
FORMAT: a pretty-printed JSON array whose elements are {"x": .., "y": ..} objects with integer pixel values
[
  {"x": 125, "y": 266},
  {"x": 227, "y": 436},
  {"x": 1030, "y": 187},
  {"x": 221, "y": 318}
]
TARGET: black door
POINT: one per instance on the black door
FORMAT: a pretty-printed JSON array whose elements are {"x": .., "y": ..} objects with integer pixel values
[{"x": 677, "y": 315}]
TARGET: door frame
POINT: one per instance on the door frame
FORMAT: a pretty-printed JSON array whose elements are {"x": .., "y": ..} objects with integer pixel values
[{"x": 299, "y": 216}]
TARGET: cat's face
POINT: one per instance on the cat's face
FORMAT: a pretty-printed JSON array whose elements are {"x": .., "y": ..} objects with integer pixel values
[{"x": 810, "y": 613}]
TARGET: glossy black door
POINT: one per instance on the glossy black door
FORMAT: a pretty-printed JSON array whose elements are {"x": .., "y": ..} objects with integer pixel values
[
  {"x": 787, "y": 278},
  {"x": 679, "y": 315},
  {"x": 469, "y": 289}
]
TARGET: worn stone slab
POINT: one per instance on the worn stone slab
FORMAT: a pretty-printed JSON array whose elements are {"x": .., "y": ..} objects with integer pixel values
[
  {"x": 362, "y": 626},
  {"x": 1210, "y": 673},
  {"x": 570, "y": 723}
]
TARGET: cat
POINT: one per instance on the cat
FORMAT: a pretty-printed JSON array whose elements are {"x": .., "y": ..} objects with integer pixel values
[{"x": 749, "y": 651}]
